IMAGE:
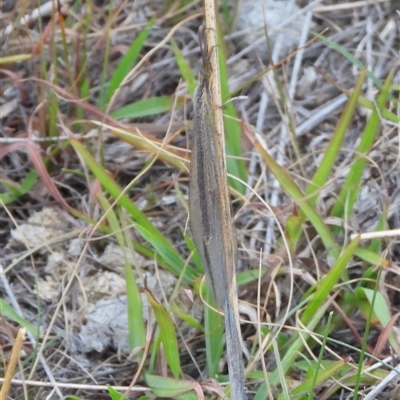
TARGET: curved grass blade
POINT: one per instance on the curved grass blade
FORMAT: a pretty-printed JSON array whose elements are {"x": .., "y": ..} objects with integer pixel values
[
  {"x": 146, "y": 107},
  {"x": 174, "y": 261},
  {"x": 167, "y": 334},
  {"x": 126, "y": 64}
]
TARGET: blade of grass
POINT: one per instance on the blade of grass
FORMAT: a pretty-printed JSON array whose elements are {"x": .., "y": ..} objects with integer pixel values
[
  {"x": 168, "y": 154},
  {"x": 330, "y": 155},
  {"x": 325, "y": 375},
  {"x": 126, "y": 64},
  {"x": 172, "y": 388},
  {"x": 214, "y": 336},
  {"x": 311, "y": 316},
  {"x": 343, "y": 207},
  {"x": 17, "y": 191},
  {"x": 167, "y": 334},
  {"x": 174, "y": 261},
  {"x": 184, "y": 68},
  {"x": 296, "y": 194},
  {"x": 115, "y": 395},
  {"x": 146, "y": 107},
  {"x": 233, "y": 131},
  {"x": 9, "y": 313},
  {"x": 327, "y": 283},
  {"x": 103, "y": 78},
  {"x": 366, "y": 336},
  {"x": 136, "y": 328},
  {"x": 380, "y": 312},
  {"x": 291, "y": 353},
  {"x": 354, "y": 60}
]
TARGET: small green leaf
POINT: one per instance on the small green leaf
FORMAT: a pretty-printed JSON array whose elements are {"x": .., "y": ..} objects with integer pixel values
[
  {"x": 172, "y": 388},
  {"x": 326, "y": 284},
  {"x": 126, "y": 64},
  {"x": 214, "y": 335},
  {"x": 115, "y": 395},
  {"x": 184, "y": 68},
  {"x": 9, "y": 312},
  {"x": 146, "y": 107},
  {"x": 167, "y": 334}
]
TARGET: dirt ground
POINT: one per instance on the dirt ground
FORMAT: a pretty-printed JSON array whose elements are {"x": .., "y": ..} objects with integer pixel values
[{"x": 67, "y": 279}]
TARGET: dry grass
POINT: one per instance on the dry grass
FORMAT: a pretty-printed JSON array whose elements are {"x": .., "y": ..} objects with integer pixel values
[{"x": 61, "y": 261}]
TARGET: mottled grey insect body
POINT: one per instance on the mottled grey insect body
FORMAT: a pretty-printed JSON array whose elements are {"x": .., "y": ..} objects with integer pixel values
[{"x": 207, "y": 220}]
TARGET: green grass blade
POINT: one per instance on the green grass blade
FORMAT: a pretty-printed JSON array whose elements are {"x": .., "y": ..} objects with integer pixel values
[
  {"x": 143, "y": 225},
  {"x": 174, "y": 261},
  {"x": 325, "y": 286},
  {"x": 126, "y": 64},
  {"x": 163, "y": 387},
  {"x": 136, "y": 328},
  {"x": 168, "y": 154},
  {"x": 233, "y": 130},
  {"x": 168, "y": 335},
  {"x": 354, "y": 60},
  {"x": 291, "y": 354},
  {"x": 9, "y": 313},
  {"x": 380, "y": 312},
  {"x": 214, "y": 336},
  {"x": 330, "y": 155},
  {"x": 115, "y": 395},
  {"x": 184, "y": 68},
  {"x": 296, "y": 194},
  {"x": 146, "y": 107},
  {"x": 322, "y": 376},
  {"x": 17, "y": 191},
  {"x": 350, "y": 190},
  {"x": 312, "y": 314}
]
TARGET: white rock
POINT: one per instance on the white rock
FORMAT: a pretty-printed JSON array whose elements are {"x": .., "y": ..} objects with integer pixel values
[{"x": 41, "y": 227}]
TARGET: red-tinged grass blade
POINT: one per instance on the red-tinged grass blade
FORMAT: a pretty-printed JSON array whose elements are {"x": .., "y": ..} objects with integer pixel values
[
  {"x": 332, "y": 151},
  {"x": 41, "y": 169},
  {"x": 380, "y": 312},
  {"x": 214, "y": 336},
  {"x": 167, "y": 334},
  {"x": 126, "y": 64},
  {"x": 169, "y": 154},
  {"x": 136, "y": 327},
  {"x": 324, "y": 287},
  {"x": 323, "y": 376},
  {"x": 388, "y": 331},
  {"x": 147, "y": 107},
  {"x": 174, "y": 261},
  {"x": 174, "y": 388},
  {"x": 297, "y": 196},
  {"x": 184, "y": 68},
  {"x": 350, "y": 190}
]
